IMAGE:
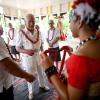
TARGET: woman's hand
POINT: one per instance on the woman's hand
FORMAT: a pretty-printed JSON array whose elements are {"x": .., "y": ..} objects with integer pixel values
[
  {"x": 46, "y": 62},
  {"x": 70, "y": 51}
]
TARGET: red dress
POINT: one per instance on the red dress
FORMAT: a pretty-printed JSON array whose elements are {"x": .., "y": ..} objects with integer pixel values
[
  {"x": 98, "y": 34},
  {"x": 82, "y": 71}
]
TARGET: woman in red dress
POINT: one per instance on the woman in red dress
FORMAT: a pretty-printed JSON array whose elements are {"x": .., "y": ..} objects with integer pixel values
[{"x": 83, "y": 66}]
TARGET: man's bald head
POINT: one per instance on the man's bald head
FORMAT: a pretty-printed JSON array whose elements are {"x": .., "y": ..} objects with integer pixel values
[
  {"x": 30, "y": 22},
  {"x": 29, "y": 16},
  {"x": 51, "y": 23}
]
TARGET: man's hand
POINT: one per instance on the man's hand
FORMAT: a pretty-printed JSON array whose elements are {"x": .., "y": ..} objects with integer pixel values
[
  {"x": 30, "y": 52},
  {"x": 30, "y": 78},
  {"x": 50, "y": 44}
]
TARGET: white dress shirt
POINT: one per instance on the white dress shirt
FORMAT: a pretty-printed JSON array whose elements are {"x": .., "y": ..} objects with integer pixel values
[
  {"x": 12, "y": 41},
  {"x": 52, "y": 35},
  {"x": 6, "y": 79}
]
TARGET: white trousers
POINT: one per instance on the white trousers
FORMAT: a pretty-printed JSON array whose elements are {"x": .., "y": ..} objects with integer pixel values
[{"x": 31, "y": 64}]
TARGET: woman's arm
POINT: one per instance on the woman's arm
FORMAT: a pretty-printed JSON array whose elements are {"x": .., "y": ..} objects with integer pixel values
[
  {"x": 60, "y": 87},
  {"x": 66, "y": 92}
]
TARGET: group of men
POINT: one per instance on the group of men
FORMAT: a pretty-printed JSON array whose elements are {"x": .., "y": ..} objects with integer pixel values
[{"x": 28, "y": 42}]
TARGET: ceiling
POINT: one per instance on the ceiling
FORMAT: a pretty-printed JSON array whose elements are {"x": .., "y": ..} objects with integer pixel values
[{"x": 30, "y": 4}]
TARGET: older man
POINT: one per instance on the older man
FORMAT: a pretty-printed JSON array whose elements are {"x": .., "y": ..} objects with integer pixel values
[
  {"x": 8, "y": 67},
  {"x": 52, "y": 39},
  {"x": 28, "y": 43}
]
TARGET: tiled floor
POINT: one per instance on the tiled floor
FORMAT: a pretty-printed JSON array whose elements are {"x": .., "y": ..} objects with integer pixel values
[{"x": 21, "y": 91}]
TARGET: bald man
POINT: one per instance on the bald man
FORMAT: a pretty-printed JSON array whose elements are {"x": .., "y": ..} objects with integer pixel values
[{"x": 28, "y": 43}]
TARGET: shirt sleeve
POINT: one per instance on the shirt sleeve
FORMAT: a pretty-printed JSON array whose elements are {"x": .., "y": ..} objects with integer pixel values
[
  {"x": 19, "y": 41},
  {"x": 77, "y": 73},
  {"x": 3, "y": 56},
  {"x": 3, "y": 50}
]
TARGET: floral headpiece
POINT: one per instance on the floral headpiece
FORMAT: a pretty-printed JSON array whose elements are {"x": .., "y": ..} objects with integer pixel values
[{"x": 86, "y": 12}]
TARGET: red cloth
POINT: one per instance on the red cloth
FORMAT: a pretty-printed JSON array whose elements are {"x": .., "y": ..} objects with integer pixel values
[
  {"x": 98, "y": 34},
  {"x": 94, "y": 3},
  {"x": 82, "y": 71}
]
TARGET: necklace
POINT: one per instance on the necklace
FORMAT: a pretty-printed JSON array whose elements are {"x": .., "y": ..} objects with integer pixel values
[
  {"x": 37, "y": 39},
  {"x": 92, "y": 37},
  {"x": 52, "y": 34},
  {"x": 11, "y": 37}
]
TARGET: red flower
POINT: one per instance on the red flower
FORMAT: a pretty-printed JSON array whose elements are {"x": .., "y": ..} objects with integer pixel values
[{"x": 94, "y": 3}]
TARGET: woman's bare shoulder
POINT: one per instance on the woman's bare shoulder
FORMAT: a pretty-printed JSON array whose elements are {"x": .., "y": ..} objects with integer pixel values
[{"x": 92, "y": 51}]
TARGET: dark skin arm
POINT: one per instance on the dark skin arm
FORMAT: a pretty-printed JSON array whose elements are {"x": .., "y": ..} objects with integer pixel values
[
  {"x": 63, "y": 90},
  {"x": 11, "y": 67},
  {"x": 67, "y": 92}
]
